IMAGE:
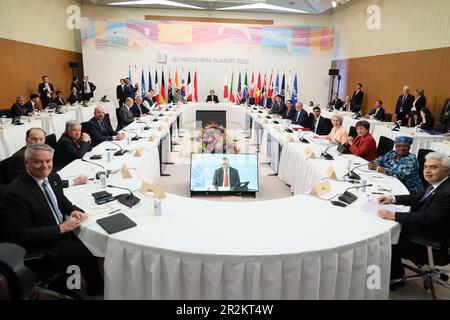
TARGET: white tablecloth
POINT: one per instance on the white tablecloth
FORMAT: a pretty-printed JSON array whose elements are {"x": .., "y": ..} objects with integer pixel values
[
  {"x": 12, "y": 138},
  {"x": 441, "y": 147},
  {"x": 56, "y": 123},
  {"x": 422, "y": 140},
  {"x": 84, "y": 114},
  {"x": 294, "y": 248}
]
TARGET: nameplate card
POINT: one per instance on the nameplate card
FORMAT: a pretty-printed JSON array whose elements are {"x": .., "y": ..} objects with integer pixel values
[
  {"x": 151, "y": 137},
  {"x": 331, "y": 173},
  {"x": 158, "y": 191},
  {"x": 320, "y": 189},
  {"x": 126, "y": 174},
  {"x": 139, "y": 152},
  {"x": 309, "y": 154}
]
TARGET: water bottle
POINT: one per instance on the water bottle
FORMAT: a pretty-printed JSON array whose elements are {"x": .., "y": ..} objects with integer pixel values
[
  {"x": 157, "y": 207},
  {"x": 363, "y": 184},
  {"x": 128, "y": 140},
  {"x": 109, "y": 156},
  {"x": 103, "y": 180}
]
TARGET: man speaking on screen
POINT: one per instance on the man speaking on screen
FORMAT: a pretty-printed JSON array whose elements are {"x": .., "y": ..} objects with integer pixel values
[{"x": 226, "y": 177}]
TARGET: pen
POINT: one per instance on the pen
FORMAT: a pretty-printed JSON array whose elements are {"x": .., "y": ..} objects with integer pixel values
[
  {"x": 114, "y": 211},
  {"x": 377, "y": 193}
]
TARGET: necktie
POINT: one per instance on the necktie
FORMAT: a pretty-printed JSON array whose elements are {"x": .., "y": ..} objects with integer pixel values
[
  {"x": 53, "y": 202},
  {"x": 403, "y": 100},
  {"x": 77, "y": 145},
  {"x": 101, "y": 126},
  {"x": 427, "y": 192},
  {"x": 298, "y": 116},
  {"x": 316, "y": 121},
  {"x": 225, "y": 182}
]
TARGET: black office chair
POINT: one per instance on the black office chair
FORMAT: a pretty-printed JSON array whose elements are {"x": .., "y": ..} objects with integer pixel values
[
  {"x": 5, "y": 113},
  {"x": 421, "y": 160},
  {"x": 430, "y": 273},
  {"x": 51, "y": 140},
  {"x": 119, "y": 121},
  {"x": 85, "y": 128},
  {"x": 107, "y": 119},
  {"x": 384, "y": 146},
  {"x": 387, "y": 117},
  {"x": 4, "y": 165},
  {"x": 439, "y": 127},
  {"x": 352, "y": 132}
]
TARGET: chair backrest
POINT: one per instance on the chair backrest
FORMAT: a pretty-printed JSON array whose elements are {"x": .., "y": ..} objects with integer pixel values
[
  {"x": 4, "y": 165},
  {"x": 51, "y": 140},
  {"x": 387, "y": 117},
  {"x": 421, "y": 159},
  {"x": 119, "y": 121},
  {"x": 108, "y": 119},
  {"x": 352, "y": 132},
  {"x": 85, "y": 127},
  {"x": 384, "y": 146},
  {"x": 439, "y": 127}
]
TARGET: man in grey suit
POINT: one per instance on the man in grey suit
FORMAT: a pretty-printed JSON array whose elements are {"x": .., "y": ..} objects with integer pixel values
[
  {"x": 125, "y": 115},
  {"x": 226, "y": 176}
]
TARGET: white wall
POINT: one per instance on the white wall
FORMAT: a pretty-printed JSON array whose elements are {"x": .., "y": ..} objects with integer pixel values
[
  {"x": 406, "y": 25},
  {"x": 41, "y": 22}
]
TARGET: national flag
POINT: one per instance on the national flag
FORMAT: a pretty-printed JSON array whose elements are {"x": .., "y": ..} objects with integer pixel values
[
  {"x": 225, "y": 85},
  {"x": 177, "y": 83},
  {"x": 129, "y": 75},
  {"x": 245, "y": 89},
  {"x": 183, "y": 85},
  {"x": 231, "y": 87},
  {"x": 189, "y": 86},
  {"x": 163, "y": 95},
  {"x": 264, "y": 86},
  {"x": 144, "y": 91},
  {"x": 239, "y": 89},
  {"x": 150, "y": 84},
  {"x": 157, "y": 87},
  {"x": 170, "y": 90},
  {"x": 294, "y": 91},
  {"x": 288, "y": 90},
  {"x": 270, "y": 91},
  {"x": 195, "y": 87},
  {"x": 252, "y": 86},
  {"x": 277, "y": 85},
  {"x": 258, "y": 90},
  {"x": 282, "y": 90}
]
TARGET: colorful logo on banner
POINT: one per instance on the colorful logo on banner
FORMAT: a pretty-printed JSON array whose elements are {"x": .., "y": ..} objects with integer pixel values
[{"x": 135, "y": 36}]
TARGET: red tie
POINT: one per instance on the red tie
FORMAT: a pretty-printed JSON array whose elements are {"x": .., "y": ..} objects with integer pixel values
[{"x": 225, "y": 183}]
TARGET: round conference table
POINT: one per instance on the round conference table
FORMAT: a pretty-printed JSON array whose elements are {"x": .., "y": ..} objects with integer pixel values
[{"x": 300, "y": 247}]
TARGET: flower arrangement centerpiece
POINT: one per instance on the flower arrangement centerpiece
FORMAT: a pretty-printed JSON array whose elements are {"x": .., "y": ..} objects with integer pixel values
[{"x": 213, "y": 138}]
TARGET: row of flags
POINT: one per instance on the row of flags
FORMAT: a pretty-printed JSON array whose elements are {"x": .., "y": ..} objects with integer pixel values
[
  {"x": 189, "y": 89},
  {"x": 234, "y": 92}
]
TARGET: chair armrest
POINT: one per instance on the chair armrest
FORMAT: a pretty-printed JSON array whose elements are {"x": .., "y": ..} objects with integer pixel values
[
  {"x": 438, "y": 245},
  {"x": 34, "y": 256}
]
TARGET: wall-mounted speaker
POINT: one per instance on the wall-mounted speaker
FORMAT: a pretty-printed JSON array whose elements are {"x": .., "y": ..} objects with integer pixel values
[
  {"x": 333, "y": 72},
  {"x": 74, "y": 65}
]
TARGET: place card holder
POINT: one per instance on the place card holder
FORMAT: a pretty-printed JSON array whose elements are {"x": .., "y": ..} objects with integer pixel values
[{"x": 320, "y": 189}]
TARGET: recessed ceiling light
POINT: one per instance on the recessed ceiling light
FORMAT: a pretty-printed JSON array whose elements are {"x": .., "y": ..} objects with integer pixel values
[
  {"x": 153, "y": 2},
  {"x": 262, "y": 6}
]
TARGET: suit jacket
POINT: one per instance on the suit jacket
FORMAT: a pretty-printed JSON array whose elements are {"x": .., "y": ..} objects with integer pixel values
[
  {"x": 337, "y": 104},
  {"x": 289, "y": 113},
  {"x": 214, "y": 98},
  {"x": 136, "y": 112},
  {"x": 445, "y": 114},
  {"x": 121, "y": 93},
  {"x": 268, "y": 102},
  {"x": 16, "y": 167},
  {"x": 302, "y": 119},
  {"x": 43, "y": 93},
  {"x": 67, "y": 151},
  {"x": 74, "y": 98},
  {"x": 323, "y": 127},
  {"x": 364, "y": 147},
  {"x": 59, "y": 102},
  {"x": 218, "y": 177},
  {"x": 17, "y": 110},
  {"x": 85, "y": 95},
  {"x": 379, "y": 115},
  {"x": 420, "y": 103},
  {"x": 403, "y": 108},
  {"x": 251, "y": 101},
  {"x": 75, "y": 85},
  {"x": 357, "y": 101},
  {"x": 29, "y": 107},
  {"x": 278, "y": 108},
  {"x": 129, "y": 91},
  {"x": 98, "y": 135},
  {"x": 429, "y": 218},
  {"x": 27, "y": 218},
  {"x": 125, "y": 117}
]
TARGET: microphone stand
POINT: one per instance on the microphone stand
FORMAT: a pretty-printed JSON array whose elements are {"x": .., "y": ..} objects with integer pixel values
[
  {"x": 326, "y": 155},
  {"x": 136, "y": 136},
  {"x": 128, "y": 199},
  {"x": 98, "y": 174},
  {"x": 121, "y": 152},
  {"x": 354, "y": 176},
  {"x": 302, "y": 138}
]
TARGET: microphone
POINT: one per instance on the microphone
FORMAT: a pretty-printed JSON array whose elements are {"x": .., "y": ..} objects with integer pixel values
[
  {"x": 135, "y": 138},
  {"x": 146, "y": 125},
  {"x": 121, "y": 152},
  {"x": 302, "y": 138},
  {"x": 326, "y": 155},
  {"x": 348, "y": 197},
  {"x": 98, "y": 174},
  {"x": 127, "y": 199},
  {"x": 354, "y": 176}
]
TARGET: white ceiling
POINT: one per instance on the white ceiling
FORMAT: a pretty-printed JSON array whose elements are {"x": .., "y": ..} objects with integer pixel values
[{"x": 305, "y": 6}]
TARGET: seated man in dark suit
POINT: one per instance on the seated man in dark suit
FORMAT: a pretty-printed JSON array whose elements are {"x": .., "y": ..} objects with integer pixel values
[
  {"x": 212, "y": 97},
  {"x": 30, "y": 106},
  {"x": 336, "y": 103},
  {"x": 429, "y": 215},
  {"x": 290, "y": 111},
  {"x": 59, "y": 99},
  {"x": 301, "y": 116},
  {"x": 226, "y": 176},
  {"x": 248, "y": 100},
  {"x": 19, "y": 108},
  {"x": 378, "y": 112},
  {"x": 35, "y": 214},
  {"x": 72, "y": 145},
  {"x": 74, "y": 97},
  {"x": 265, "y": 101},
  {"x": 16, "y": 164},
  {"x": 101, "y": 130},
  {"x": 138, "y": 109},
  {"x": 125, "y": 115},
  {"x": 319, "y": 125},
  {"x": 279, "y": 106}
]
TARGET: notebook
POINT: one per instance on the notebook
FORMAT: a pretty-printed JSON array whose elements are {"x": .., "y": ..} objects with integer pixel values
[{"x": 116, "y": 223}]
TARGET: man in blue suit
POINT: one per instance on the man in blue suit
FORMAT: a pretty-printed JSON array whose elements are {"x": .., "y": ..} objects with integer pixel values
[
  {"x": 265, "y": 102},
  {"x": 301, "y": 116},
  {"x": 100, "y": 130},
  {"x": 278, "y": 107}
]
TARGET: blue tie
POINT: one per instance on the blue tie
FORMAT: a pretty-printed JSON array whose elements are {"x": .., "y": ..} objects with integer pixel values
[
  {"x": 427, "y": 192},
  {"x": 52, "y": 200}
]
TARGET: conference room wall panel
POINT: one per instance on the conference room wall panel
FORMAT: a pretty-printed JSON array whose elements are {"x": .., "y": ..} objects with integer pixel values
[
  {"x": 384, "y": 76},
  {"x": 23, "y": 65}
]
